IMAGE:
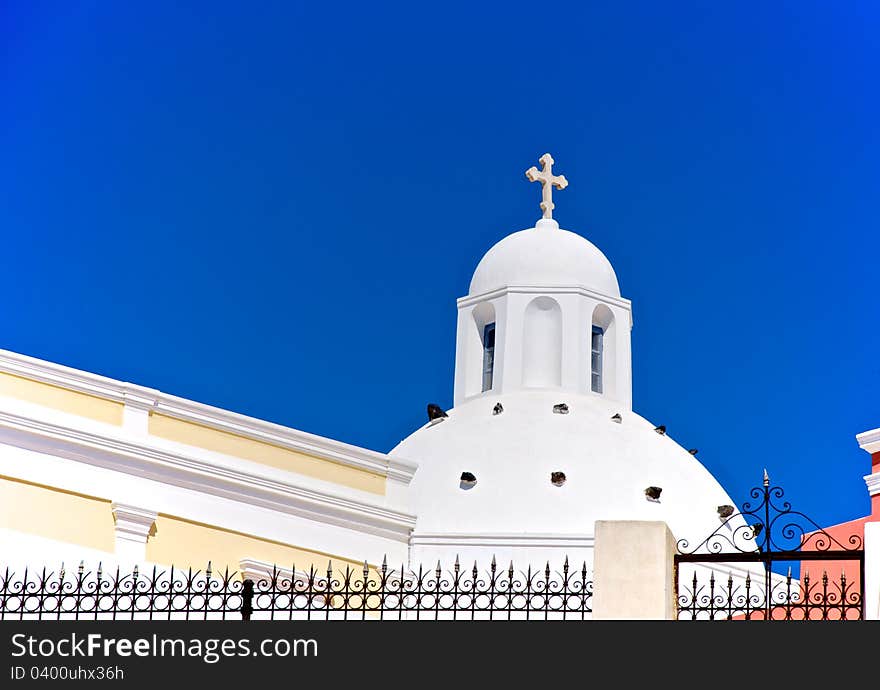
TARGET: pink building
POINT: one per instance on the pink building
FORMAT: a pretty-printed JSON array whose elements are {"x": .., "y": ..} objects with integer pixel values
[{"x": 867, "y": 530}]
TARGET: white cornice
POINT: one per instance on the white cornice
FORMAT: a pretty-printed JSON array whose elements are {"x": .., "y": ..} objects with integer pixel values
[
  {"x": 468, "y": 300},
  {"x": 872, "y": 481},
  {"x": 143, "y": 398},
  {"x": 869, "y": 441},
  {"x": 215, "y": 478}
]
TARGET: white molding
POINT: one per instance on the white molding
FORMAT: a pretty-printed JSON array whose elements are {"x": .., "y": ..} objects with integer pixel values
[
  {"x": 468, "y": 300},
  {"x": 149, "y": 399},
  {"x": 503, "y": 540},
  {"x": 869, "y": 441},
  {"x": 133, "y": 523},
  {"x": 872, "y": 481},
  {"x": 229, "y": 480}
]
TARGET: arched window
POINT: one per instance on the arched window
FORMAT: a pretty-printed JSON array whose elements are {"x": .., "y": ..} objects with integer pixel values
[
  {"x": 596, "y": 359},
  {"x": 488, "y": 355},
  {"x": 602, "y": 352}
]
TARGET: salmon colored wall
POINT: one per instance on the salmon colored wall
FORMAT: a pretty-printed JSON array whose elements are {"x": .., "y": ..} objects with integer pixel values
[{"x": 875, "y": 500}]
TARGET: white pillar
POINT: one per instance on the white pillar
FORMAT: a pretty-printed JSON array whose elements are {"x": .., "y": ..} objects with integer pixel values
[
  {"x": 633, "y": 571},
  {"x": 871, "y": 595},
  {"x": 133, "y": 526}
]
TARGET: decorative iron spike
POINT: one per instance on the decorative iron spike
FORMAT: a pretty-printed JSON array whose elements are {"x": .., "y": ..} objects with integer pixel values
[
  {"x": 366, "y": 570},
  {"x": 82, "y": 565},
  {"x": 824, "y": 577},
  {"x": 384, "y": 564},
  {"x": 100, "y": 566},
  {"x": 565, "y": 565},
  {"x": 584, "y": 570},
  {"x": 788, "y": 577},
  {"x": 437, "y": 570},
  {"x": 329, "y": 570},
  {"x": 135, "y": 572},
  {"x": 510, "y": 571},
  {"x": 456, "y": 563},
  {"x": 61, "y": 572},
  {"x": 492, "y": 565},
  {"x": 766, "y": 478},
  {"x": 475, "y": 571},
  {"x": 208, "y": 570}
]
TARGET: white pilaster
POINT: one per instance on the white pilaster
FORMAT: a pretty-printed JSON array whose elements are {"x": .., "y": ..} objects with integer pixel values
[
  {"x": 871, "y": 595},
  {"x": 133, "y": 526},
  {"x": 136, "y": 410}
]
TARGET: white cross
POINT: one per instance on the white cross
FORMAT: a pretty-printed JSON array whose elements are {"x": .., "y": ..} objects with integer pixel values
[{"x": 548, "y": 180}]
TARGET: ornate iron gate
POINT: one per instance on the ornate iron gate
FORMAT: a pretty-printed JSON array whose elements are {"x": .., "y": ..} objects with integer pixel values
[{"x": 730, "y": 575}]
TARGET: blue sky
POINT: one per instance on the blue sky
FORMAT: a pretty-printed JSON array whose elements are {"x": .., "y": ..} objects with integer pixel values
[{"x": 274, "y": 209}]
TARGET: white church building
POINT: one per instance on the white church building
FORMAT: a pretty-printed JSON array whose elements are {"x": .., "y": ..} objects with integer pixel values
[{"x": 542, "y": 442}]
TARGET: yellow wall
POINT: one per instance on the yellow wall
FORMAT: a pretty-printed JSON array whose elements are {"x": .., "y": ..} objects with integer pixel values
[
  {"x": 62, "y": 399},
  {"x": 56, "y": 514},
  {"x": 264, "y": 453},
  {"x": 187, "y": 544}
]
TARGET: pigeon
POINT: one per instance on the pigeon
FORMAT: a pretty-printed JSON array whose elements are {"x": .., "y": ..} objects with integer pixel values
[
  {"x": 725, "y": 511},
  {"x": 498, "y": 409},
  {"x": 617, "y": 418},
  {"x": 436, "y": 413},
  {"x": 467, "y": 480},
  {"x": 660, "y": 430},
  {"x": 561, "y": 408},
  {"x": 652, "y": 493},
  {"x": 557, "y": 478}
]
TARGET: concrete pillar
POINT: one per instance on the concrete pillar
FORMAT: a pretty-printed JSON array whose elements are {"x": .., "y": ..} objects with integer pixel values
[
  {"x": 871, "y": 595},
  {"x": 633, "y": 571}
]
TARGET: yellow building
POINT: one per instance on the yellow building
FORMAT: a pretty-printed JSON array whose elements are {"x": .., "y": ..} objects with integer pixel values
[{"x": 99, "y": 470}]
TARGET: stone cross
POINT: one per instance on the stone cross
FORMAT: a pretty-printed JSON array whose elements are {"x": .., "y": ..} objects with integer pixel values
[{"x": 548, "y": 180}]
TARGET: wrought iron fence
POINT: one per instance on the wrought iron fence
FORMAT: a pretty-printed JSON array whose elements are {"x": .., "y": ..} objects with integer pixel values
[
  {"x": 766, "y": 532},
  {"x": 822, "y": 598},
  {"x": 349, "y": 594}
]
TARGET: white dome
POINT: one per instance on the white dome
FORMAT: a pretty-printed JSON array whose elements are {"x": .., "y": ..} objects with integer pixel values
[
  {"x": 545, "y": 256},
  {"x": 607, "y": 467}
]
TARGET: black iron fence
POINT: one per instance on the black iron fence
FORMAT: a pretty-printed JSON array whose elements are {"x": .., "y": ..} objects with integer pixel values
[
  {"x": 348, "y": 594},
  {"x": 768, "y": 532}
]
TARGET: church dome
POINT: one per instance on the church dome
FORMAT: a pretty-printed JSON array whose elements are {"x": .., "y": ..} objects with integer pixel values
[
  {"x": 545, "y": 256},
  {"x": 606, "y": 468}
]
